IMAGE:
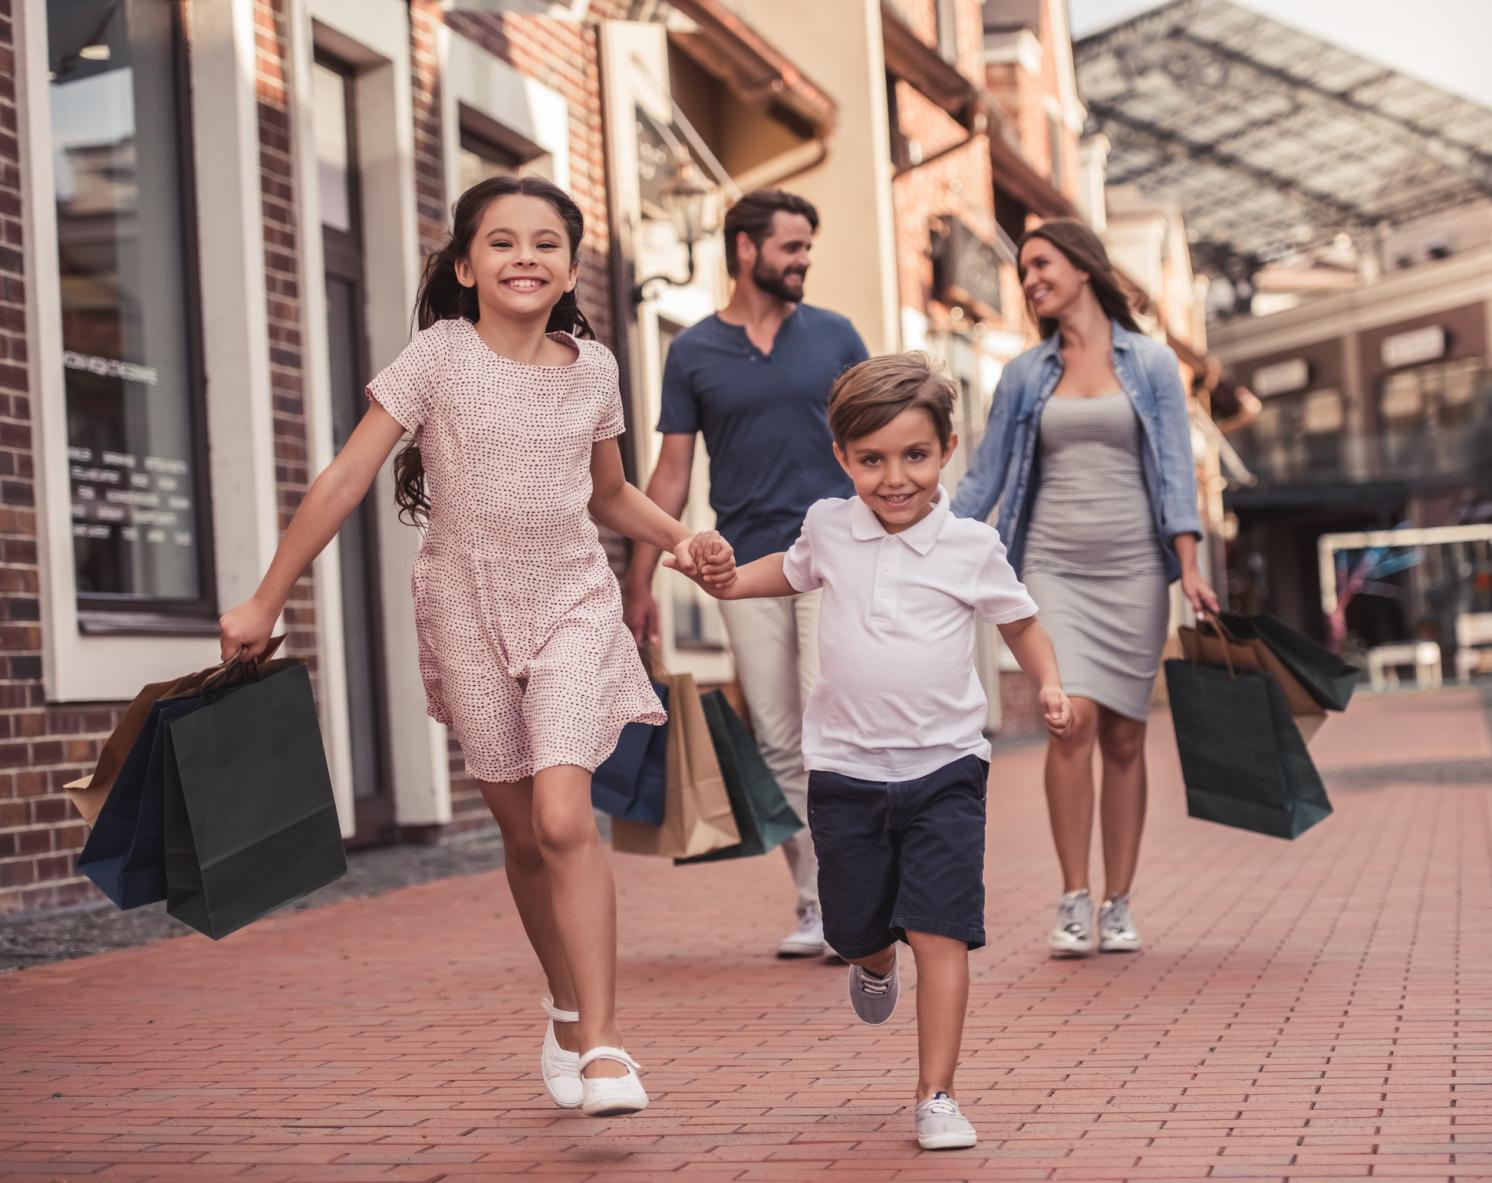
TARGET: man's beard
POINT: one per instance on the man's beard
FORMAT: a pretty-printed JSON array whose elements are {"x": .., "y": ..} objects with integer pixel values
[{"x": 775, "y": 283}]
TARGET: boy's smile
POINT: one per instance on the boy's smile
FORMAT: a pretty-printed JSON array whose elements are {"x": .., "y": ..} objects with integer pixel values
[{"x": 896, "y": 468}]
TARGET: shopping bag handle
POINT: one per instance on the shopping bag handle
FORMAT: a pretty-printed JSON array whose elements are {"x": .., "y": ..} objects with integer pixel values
[
  {"x": 1224, "y": 635},
  {"x": 220, "y": 677}
]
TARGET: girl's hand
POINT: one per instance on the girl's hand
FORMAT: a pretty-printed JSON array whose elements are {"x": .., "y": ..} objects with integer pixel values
[
  {"x": 1056, "y": 710},
  {"x": 244, "y": 631},
  {"x": 715, "y": 559},
  {"x": 1198, "y": 594}
]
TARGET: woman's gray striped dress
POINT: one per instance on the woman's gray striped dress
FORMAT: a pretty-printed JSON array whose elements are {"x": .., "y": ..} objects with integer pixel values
[{"x": 1093, "y": 558}]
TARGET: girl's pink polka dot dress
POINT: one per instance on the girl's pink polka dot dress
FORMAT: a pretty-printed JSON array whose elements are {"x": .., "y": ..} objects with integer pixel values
[{"x": 522, "y": 647}]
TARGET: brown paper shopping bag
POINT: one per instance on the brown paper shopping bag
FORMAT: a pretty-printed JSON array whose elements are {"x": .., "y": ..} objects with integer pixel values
[
  {"x": 697, "y": 817},
  {"x": 89, "y": 793},
  {"x": 1218, "y": 646}
]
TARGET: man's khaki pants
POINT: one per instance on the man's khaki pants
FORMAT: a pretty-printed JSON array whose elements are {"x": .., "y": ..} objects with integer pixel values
[{"x": 775, "y": 643}]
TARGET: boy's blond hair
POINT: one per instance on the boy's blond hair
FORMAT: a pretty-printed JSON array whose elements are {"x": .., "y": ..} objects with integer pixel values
[{"x": 868, "y": 396}]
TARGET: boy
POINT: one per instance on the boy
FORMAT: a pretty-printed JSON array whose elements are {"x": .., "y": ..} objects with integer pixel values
[{"x": 893, "y": 732}]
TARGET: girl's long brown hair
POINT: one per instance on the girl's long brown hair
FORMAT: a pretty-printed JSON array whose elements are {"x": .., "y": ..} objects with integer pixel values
[
  {"x": 1085, "y": 251},
  {"x": 441, "y": 297}
]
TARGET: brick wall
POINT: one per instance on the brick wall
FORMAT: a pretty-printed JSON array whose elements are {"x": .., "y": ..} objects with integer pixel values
[
  {"x": 282, "y": 286},
  {"x": 41, "y": 747}
]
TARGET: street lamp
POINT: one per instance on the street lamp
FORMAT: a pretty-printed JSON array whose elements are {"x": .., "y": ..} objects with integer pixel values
[{"x": 684, "y": 199}]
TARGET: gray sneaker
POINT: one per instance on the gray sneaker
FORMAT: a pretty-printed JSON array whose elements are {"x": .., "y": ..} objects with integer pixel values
[
  {"x": 874, "y": 998},
  {"x": 1072, "y": 935},
  {"x": 1116, "y": 927},
  {"x": 940, "y": 1125}
]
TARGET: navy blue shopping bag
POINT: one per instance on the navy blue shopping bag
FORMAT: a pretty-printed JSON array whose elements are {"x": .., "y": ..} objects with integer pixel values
[
  {"x": 632, "y": 783},
  {"x": 125, "y": 853}
]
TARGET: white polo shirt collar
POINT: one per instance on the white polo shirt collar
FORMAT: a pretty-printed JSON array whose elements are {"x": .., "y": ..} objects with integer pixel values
[{"x": 866, "y": 527}]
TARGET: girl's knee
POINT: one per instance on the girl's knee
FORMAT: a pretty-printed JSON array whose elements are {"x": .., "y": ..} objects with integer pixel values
[
  {"x": 521, "y": 852},
  {"x": 560, "y": 829}
]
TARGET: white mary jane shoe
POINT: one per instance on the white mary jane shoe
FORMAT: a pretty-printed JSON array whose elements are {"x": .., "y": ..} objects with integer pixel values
[
  {"x": 561, "y": 1069},
  {"x": 612, "y": 1096}
]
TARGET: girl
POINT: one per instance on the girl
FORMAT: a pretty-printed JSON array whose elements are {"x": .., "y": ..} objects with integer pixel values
[
  {"x": 1088, "y": 453},
  {"x": 514, "y": 409}
]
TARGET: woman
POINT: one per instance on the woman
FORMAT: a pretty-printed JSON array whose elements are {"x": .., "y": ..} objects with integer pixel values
[{"x": 1088, "y": 454}]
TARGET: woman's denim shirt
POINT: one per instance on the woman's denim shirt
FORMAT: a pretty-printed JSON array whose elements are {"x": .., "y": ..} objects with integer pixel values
[{"x": 1004, "y": 469}]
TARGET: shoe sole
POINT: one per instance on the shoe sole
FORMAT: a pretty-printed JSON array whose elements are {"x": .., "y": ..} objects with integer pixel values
[
  {"x": 575, "y": 1104},
  {"x": 1119, "y": 946},
  {"x": 1068, "y": 952},
  {"x": 614, "y": 1109},
  {"x": 948, "y": 1142},
  {"x": 787, "y": 951}
]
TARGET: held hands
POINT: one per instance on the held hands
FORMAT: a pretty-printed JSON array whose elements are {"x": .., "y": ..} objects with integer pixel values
[
  {"x": 1197, "y": 592},
  {"x": 1056, "y": 711},
  {"x": 244, "y": 631},
  {"x": 706, "y": 558}
]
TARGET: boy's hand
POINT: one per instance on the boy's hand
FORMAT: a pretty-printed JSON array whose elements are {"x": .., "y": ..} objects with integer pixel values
[{"x": 1056, "y": 711}]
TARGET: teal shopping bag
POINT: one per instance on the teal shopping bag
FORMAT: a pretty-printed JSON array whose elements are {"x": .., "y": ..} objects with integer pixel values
[{"x": 762, "y": 813}]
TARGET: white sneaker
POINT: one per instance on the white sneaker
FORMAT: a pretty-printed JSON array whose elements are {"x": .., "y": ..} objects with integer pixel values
[
  {"x": 1116, "y": 927},
  {"x": 560, "y": 1069},
  {"x": 940, "y": 1125},
  {"x": 874, "y": 998},
  {"x": 1073, "y": 934},
  {"x": 612, "y": 1096},
  {"x": 807, "y": 940}
]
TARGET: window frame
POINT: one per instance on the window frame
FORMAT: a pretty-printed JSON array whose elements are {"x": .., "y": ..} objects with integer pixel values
[
  {"x": 121, "y": 614},
  {"x": 228, "y": 240}
]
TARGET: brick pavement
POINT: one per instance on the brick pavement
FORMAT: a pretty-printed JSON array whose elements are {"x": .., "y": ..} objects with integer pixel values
[{"x": 1315, "y": 1010}]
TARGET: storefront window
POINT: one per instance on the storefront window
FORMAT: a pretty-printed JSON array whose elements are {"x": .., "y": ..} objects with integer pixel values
[{"x": 124, "y": 227}]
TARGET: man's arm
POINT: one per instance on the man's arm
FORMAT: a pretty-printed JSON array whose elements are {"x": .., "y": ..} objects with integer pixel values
[{"x": 668, "y": 488}]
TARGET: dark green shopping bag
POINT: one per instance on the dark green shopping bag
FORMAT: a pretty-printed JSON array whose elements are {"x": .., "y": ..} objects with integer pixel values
[
  {"x": 1325, "y": 676},
  {"x": 762, "y": 813},
  {"x": 1242, "y": 756}
]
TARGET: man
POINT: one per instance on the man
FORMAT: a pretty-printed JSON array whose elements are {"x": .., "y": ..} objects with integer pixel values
[{"x": 755, "y": 379}]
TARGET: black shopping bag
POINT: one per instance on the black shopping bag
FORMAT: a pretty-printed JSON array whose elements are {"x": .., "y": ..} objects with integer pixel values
[
  {"x": 125, "y": 852},
  {"x": 1325, "y": 676},
  {"x": 1242, "y": 757},
  {"x": 762, "y": 813},
  {"x": 250, "y": 819},
  {"x": 632, "y": 783}
]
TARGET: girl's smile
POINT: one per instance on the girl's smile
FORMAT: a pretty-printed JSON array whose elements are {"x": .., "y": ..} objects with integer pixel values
[{"x": 520, "y": 260}]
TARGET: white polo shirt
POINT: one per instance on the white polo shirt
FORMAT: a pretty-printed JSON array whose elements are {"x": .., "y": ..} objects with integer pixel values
[{"x": 897, "y": 696}]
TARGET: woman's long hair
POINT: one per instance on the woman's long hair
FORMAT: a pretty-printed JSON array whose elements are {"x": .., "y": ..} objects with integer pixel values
[
  {"x": 1085, "y": 251},
  {"x": 441, "y": 297}
]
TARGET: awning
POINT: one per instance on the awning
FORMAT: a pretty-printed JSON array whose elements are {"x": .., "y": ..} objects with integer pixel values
[
  {"x": 755, "y": 71},
  {"x": 915, "y": 62}
]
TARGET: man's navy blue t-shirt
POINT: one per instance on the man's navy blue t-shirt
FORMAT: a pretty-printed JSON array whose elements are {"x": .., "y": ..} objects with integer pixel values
[{"x": 765, "y": 419}]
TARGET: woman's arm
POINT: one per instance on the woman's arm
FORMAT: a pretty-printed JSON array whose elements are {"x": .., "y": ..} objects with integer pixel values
[
  {"x": 1178, "y": 468},
  {"x": 334, "y": 495},
  {"x": 980, "y": 487},
  {"x": 1196, "y": 589}
]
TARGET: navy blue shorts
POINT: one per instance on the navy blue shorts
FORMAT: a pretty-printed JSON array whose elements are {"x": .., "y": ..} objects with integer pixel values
[{"x": 896, "y": 856}]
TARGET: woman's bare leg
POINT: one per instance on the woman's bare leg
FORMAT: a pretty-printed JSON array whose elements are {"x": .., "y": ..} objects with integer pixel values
[{"x": 1069, "y": 793}]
